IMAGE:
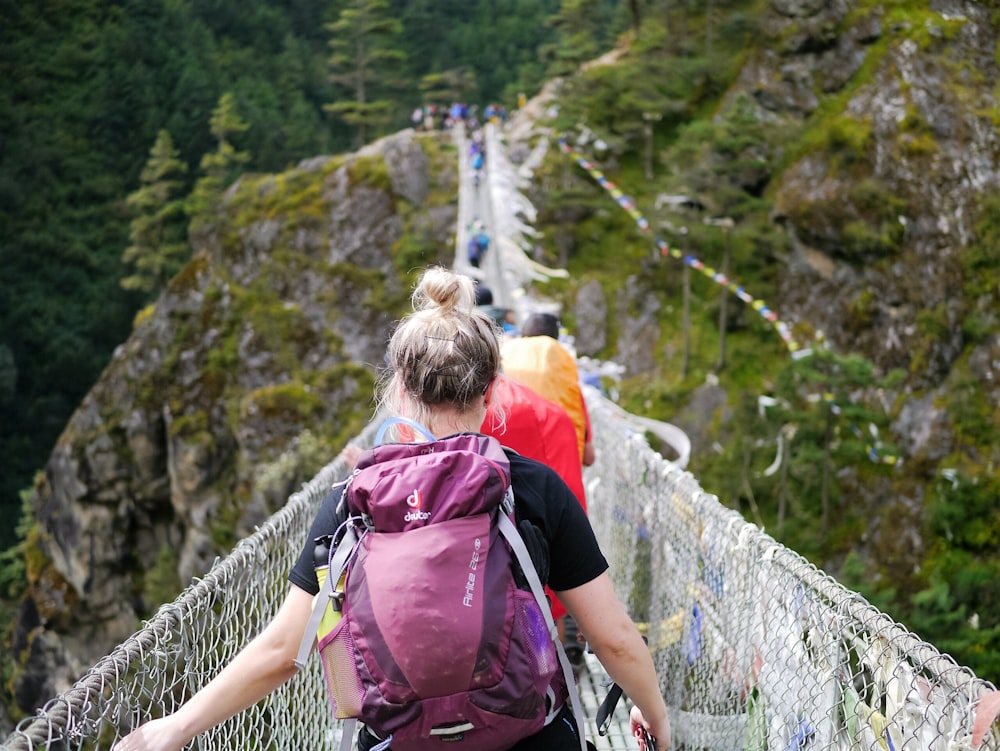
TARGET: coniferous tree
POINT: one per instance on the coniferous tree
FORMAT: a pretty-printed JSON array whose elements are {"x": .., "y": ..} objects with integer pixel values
[
  {"x": 157, "y": 241},
  {"x": 578, "y": 25},
  {"x": 455, "y": 85},
  {"x": 822, "y": 396},
  {"x": 365, "y": 60},
  {"x": 217, "y": 165}
]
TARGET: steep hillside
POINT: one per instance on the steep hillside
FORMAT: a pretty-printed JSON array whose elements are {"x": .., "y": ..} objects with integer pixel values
[
  {"x": 248, "y": 374},
  {"x": 840, "y": 159}
]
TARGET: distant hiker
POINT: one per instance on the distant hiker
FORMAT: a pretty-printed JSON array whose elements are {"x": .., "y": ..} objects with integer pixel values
[
  {"x": 445, "y": 359},
  {"x": 509, "y": 323},
  {"x": 484, "y": 295},
  {"x": 537, "y": 359},
  {"x": 477, "y": 246}
]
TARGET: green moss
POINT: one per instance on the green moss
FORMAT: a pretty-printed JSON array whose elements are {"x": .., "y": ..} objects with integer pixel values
[
  {"x": 162, "y": 582},
  {"x": 413, "y": 251},
  {"x": 291, "y": 401},
  {"x": 933, "y": 322},
  {"x": 349, "y": 413},
  {"x": 143, "y": 315},
  {"x": 278, "y": 328},
  {"x": 191, "y": 426},
  {"x": 189, "y": 277},
  {"x": 849, "y": 140},
  {"x": 371, "y": 171},
  {"x": 294, "y": 198}
]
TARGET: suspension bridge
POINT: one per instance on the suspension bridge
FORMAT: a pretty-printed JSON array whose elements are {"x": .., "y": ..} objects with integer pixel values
[{"x": 755, "y": 648}]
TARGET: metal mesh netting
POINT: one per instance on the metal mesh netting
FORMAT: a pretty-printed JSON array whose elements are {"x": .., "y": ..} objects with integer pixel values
[
  {"x": 188, "y": 641},
  {"x": 755, "y": 648}
]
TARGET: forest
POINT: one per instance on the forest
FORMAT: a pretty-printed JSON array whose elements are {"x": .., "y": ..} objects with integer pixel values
[
  {"x": 103, "y": 102},
  {"x": 89, "y": 84}
]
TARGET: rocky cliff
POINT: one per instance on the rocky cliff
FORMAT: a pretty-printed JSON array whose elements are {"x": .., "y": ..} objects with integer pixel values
[
  {"x": 881, "y": 214},
  {"x": 248, "y": 374},
  {"x": 890, "y": 174},
  {"x": 856, "y": 150}
]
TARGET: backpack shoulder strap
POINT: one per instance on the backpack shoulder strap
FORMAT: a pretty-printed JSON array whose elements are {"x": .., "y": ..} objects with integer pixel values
[
  {"x": 338, "y": 564},
  {"x": 513, "y": 538}
]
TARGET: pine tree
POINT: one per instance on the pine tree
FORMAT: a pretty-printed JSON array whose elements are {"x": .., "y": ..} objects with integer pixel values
[
  {"x": 156, "y": 233},
  {"x": 217, "y": 166},
  {"x": 822, "y": 395},
  {"x": 364, "y": 62},
  {"x": 580, "y": 26},
  {"x": 455, "y": 85}
]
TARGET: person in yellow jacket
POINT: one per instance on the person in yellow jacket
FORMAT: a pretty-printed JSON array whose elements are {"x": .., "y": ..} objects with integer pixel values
[{"x": 539, "y": 361}]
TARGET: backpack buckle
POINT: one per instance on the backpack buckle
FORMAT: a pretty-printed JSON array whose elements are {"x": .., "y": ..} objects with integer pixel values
[{"x": 507, "y": 504}]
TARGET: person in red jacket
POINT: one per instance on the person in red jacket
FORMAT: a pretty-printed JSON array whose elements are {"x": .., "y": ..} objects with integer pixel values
[{"x": 536, "y": 427}]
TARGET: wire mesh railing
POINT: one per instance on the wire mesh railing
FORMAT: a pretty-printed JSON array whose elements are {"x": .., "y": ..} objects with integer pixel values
[{"x": 755, "y": 648}]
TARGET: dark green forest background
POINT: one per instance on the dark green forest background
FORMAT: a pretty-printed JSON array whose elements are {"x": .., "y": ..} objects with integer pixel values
[{"x": 86, "y": 85}]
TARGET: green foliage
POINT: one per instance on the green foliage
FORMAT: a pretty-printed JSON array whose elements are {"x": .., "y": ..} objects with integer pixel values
[
  {"x": 445, "y": 87},
  {"x": 218, "y": 167},
  {"x": 584, "y": 30},
  {"x": 826, "y": 426},
  {"x": 365, "y": 62},
  {"x": 848, "y": 140},
  {"x": 959, "y": 609},
  {"x": 284, "y": 399},
  {"x": 8, "y": 375},
  {"x": 13, "y": 568},
  {"x": 981, "y": 267},
  {"x": 963, "y": 510},
  {"x": 862, "y": 226},
  {"x": 14, "y": 572},
  {"x": 975, "y": 422},
  {"x": 162, "y": 582},
  {"x": 158, "y": 244},
  {"x": 727, "y": 160}
]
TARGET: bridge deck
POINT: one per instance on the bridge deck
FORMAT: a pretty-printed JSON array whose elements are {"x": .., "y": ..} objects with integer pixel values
[{"x": 594, "y": 685}]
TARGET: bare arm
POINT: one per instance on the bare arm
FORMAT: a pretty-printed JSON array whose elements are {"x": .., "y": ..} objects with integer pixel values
[
  {"x": 589, "y": 456},
  {"x": 263, "y": 665},
  {"x": 617, "y": 643}
]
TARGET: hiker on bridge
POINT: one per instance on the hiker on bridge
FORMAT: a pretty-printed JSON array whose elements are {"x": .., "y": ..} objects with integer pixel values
[
  {"x": 479, "y": 243},
  {"x": 445, "y": 359},
  {"x": 539, "y": 360}
]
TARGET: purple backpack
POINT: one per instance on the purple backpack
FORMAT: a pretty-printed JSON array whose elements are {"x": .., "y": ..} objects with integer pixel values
[{"x": 437, "y": 647}]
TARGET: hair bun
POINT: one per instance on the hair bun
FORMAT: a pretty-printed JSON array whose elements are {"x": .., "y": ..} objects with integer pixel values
[{"x": 444, "y": 289}]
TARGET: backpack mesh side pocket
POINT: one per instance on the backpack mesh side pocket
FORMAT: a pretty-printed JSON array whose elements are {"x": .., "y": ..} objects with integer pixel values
[
  {"x": 529, "y": 624},
  {"x": 338, "y": 654}
]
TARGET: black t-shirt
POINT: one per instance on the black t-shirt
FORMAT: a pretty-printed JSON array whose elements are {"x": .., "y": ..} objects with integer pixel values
[{"x": 540, "y": 496}]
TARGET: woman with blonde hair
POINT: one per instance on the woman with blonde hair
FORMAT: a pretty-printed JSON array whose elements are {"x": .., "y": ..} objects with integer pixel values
[{"x": 444, "y": 359}]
